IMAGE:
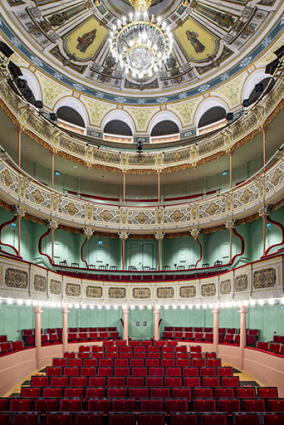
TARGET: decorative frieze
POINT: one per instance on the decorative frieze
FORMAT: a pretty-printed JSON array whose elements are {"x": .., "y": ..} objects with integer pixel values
[
  {"x": 39, "y": 283},
  {"x": 141, "y": 293},
  {"x": 117, "y": 293},
  {"x": 225, "y": 287},
  {"x": 264, "y": 278},
  {"x": 241, "y": 283},
  {"x": 94, "y": 291},
  {"x": 15, "y": 278},
  {"x": 165, "y": 292},
  {"x": 55, "y": 287},
  {"x": 208, "y": 290},
  {"x": 187, "y": 291},
  {"x": 73, "y": 290}
]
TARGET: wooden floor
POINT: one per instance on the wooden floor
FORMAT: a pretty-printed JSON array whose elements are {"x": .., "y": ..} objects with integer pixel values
[{"x": 243, "y": 376}]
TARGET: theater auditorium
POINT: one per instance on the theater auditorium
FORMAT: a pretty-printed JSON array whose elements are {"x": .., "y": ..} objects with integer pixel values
[{"x": 141, "y": 212}]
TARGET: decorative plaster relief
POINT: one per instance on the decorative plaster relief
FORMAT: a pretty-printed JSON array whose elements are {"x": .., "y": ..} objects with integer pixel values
[
  {"x": 73, "y": 290},
  {"x": 165, "y": 292},
  {"x": 15, "y": 278},
  {"x": 208, "y": 290},
  {"x": 141, "y": 293},
  {"x": 116, "y": 293},
  {"x": 225, "y": 287},
  {"x": 55, "y": 287},
  {"x": 241, "y": 283},
  {"x": 264, "y": 278},
  {"x": 187, "y": 291},
  {"x": 94, "y": 291},
  {"x": 39, "y": 283}
]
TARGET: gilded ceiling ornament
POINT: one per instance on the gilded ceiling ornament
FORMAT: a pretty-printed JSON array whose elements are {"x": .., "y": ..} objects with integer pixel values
[
  {"x": 246, "y": 196},
  {"x": 7, "y": 177},
  {"x": 141, "y": 218},
  {"x": 71, "y": 208},
  {"x": 177, "y": 215},
  {"x": 276, "y": 177},
  {"x": 106, "y": 215},
  {"x": 212, "y": 208}
]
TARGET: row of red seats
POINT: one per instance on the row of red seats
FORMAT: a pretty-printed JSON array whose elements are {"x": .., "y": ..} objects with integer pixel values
[
  {"x": 11, "y": 347},
  {"x": 153, "y": 392},
  {"x": 129, "y": 355},
  {"x": 142, "y": 348},
  {"x": 92, "y": 336},
  {"x": 136, "y": 381},
  {"x": 189, "y": 418},
  {"x": 271, "y": 346},
  {"x": 138, "y": 371},
  {"x": 278, "y": 339},
  {"x": 167, "y": 405},
  {"x": 222, "y": 331},
  {"x": 137, "y": 362}
]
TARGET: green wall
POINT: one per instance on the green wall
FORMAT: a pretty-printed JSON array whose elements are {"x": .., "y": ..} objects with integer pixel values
[{"x": 141, "y": 324}]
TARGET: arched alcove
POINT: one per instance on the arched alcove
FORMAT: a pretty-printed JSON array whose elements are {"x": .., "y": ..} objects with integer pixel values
[
  {"x": 164, "y": 128},
  {"x": 214, "y": 114},
  {"x": 118, "y": 127},
  {"x": 68, "y": 114}
]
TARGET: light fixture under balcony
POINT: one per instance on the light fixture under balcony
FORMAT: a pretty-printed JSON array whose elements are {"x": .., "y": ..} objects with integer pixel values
[{"x": 141, "y": 44}]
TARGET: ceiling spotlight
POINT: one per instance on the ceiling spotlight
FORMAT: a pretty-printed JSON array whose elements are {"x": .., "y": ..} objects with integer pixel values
[
  {"x": 246, "y": 103},
  {"x": 139, "y": 146},
  {"x": 229, "y": 116}
]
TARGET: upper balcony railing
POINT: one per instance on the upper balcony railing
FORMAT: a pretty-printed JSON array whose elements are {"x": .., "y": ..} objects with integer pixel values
[{"x": 190, "y": 154}]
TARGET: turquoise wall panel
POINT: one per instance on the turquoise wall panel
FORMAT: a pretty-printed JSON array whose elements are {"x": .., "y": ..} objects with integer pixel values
[{"x": 229, "y": 318}]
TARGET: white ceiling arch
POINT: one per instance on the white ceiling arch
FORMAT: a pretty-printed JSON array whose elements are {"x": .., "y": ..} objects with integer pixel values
[
  {"x": 164, "y": 116},
  {"x": 75, "y": 104},
  {"x": 251, "y": 81},
  {"x": 207, "y": 104},
  {"x": 120, "y": 115}
]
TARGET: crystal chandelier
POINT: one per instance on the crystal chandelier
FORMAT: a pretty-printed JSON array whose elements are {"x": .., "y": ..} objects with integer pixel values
[{"x": 141, "y": 44}]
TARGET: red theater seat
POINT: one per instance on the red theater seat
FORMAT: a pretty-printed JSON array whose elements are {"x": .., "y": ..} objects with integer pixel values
[
  {"x": 253, "y": 405},
  {"x": 123, "y": 405},
  {"x": 59, "y": 418},
  {"x": 224, "y": 392},
  {"x": 39, "y": 381},
  {"x": 151, "y": 419},
  {"x": 225, "y": 371},
  {"x": 46, "y": 405},
  {"x": 214, "y": 362},
  {"x": 86, "y": 418},
  {"x": 245, "y": 392},
  {"x": 21, "y": 405},
  {"x": 203, "y": 392},
  {"x": 212, "y": 355},
  {"x": 151, "y": 405},
  {"x": 88, "y": 371},
  {"x": 198, "y": 362},
  {"x": 173, "y": 371},
  {"x": 275, "y": 405},
  {"x": 105, "y": 371},
  {"x": 156, "y": 371},
  {"x": 181, "y": 392},
  {"x": 213, "y": 381},
  {"x": 230, "y": 381},
  {"x": 30, "y": 392},
  {"x": 135, "y": 381},
  {"x": 59, "y": 362},
  {"x": 139, "y": 371},
  {"x": 183, "y": 363},
  {"x": 229, "y": 405},
  {"x": 67, "y": 355},
  {"x": 152, "y": 362},
  {"x": 176, "y": 405},
  {"x": 78, "y": 381},
  {"x": 122, "y": 419},
  {"x": 26, "y": 418},
  {"x": 116, "y": 392},
  {"x": 75, "y": 392},
  {"x": 99, "y": 405},
  {"x": 90, "y": 362},
  {"x": 138, "y": 393},
  {"x": 95, "y": 392},
  {"x": 121, "y": 362},
  {"x": 207, "y": 371},
  {"x": 273, "y": 419},
  {"x": 53, "y": 371},
  {"x": 267, "y": 392},
  {"x": 187, "y": 418},
  {"x": 168, "y": 362},
  {"x": 153, "y": 349},
  {"x": 192, "y": 381},
  {"x": 97, "y": 381},
  {"x": 106, "y": 362},
  {"x": 160, "y": 392},
  {"x": 190, "y": 371},
  {"x": 122, "y": 371},
  {"x": 136, "y": 362},
  {"x": 116, "y": 381},
  {"x": 205, "y": 405},
  {"x": 173, "y": 381},
  {"x": 51, "y": 392},
  {"x": 213, "y": 419},
  {"x": 247, "y": 419}
]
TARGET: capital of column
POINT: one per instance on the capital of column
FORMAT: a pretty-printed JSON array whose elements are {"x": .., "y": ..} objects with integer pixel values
[
  {"x": 38, "y": 310},
  {"x": 125, "y": 309},
  {"x": 216, "y": 310},
  {"x": 195, "y": 233},
  {"x": 243, "y": 310},
  {"x": 231, "y": 224},
  {"x": 159, "y": 235},
  {"x": 264, "y": 130},
  {"x": 265, "y": 211},
  {"x": 65, "y": 310},
  {"x": 19, "y": 130},
  {"x": 88, "y": 232},
  {"x": 123, "y": 235},
  {"x": 52, "y": 224},
  {"x": 156, "y": 310},
  {"x": 18, "y": 211}
]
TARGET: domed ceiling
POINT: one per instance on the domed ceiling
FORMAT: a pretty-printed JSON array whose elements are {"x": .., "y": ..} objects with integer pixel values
[{"x": 64, "y": 48}]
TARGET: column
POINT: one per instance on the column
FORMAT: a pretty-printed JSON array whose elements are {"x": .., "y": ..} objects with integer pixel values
[
  {"x": 19, "y": 131},
  {"x": 123, "y": 236},
  {"x": 195, "y": 233},
  {"x": 38, "y": 312},
  {"x": 52, "y": 224},
  {"x": 216, "y": 312},
  {"x": 125, "y": 321},
  {"x": 264, "y": 131},
  {"x": 264, "y": 213},
  {"x": 159, "y": 236},
  {"x": 231, "y": 169},
  {"x": 156, "y": 323},
  {"x": 64, "y": 312},
  {"x": 231, "y": 224},
  {"x": 243, "y": 331},
  {"x": 124, "y": 188},
  {"x": 52, "y": 170},
  {"x": 159, "y": 188},
  {"x": 19, "y": 213}
]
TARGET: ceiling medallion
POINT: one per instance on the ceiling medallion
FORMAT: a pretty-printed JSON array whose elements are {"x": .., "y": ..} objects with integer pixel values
[{"x": 141, "y": 44}]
